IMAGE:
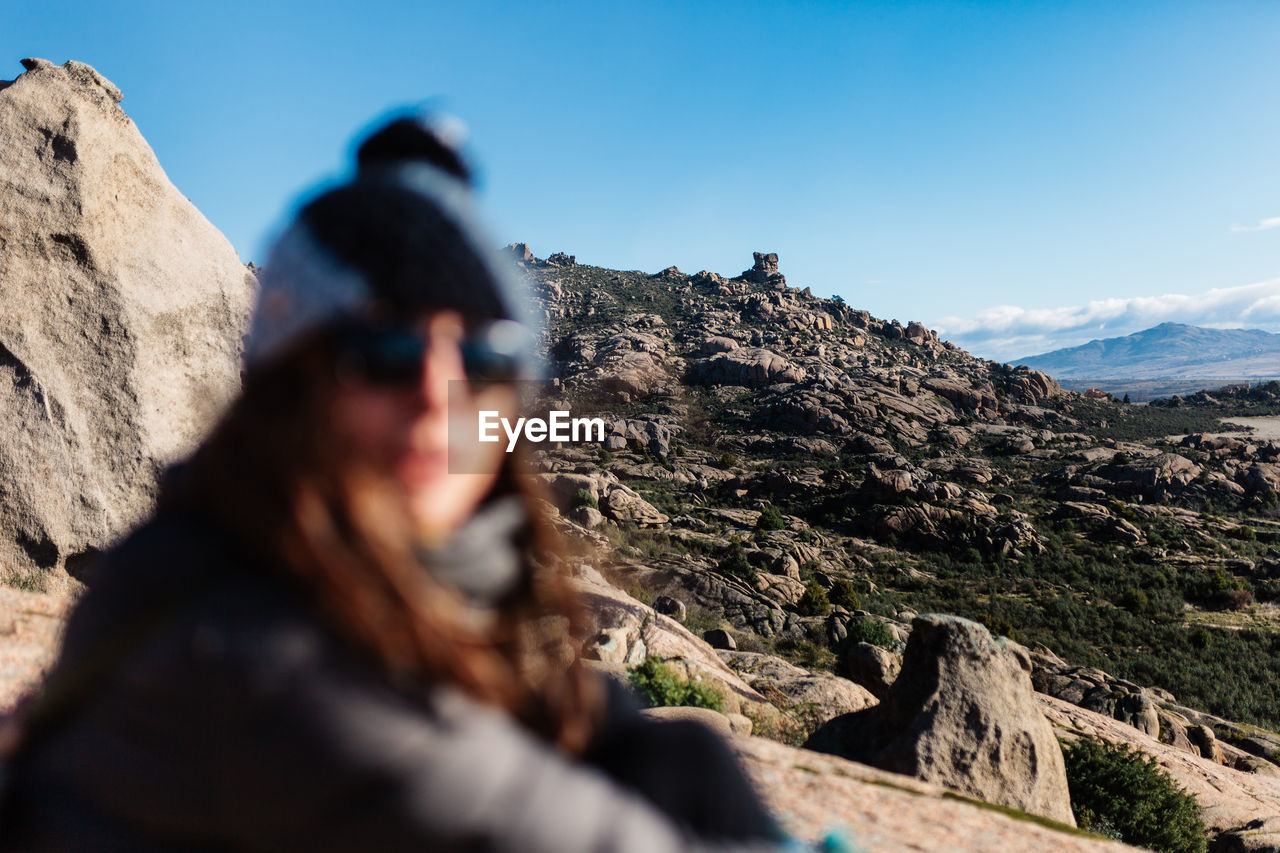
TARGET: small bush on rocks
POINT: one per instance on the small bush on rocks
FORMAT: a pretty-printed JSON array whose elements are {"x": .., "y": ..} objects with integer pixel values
[
  {"x": 871, "y": 631},
  {"x": 658, "y": 685},
  {"x": 843, "y": 593},
  {"x": 1124, "y": 794},
  {"x": 814, "y": 602},
  {"x": 770, "y": 519},
  {"x": 735, "y": 563}
]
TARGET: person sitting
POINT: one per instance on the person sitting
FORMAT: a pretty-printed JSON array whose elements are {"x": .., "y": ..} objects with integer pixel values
[{"x": 341, "y": 631}]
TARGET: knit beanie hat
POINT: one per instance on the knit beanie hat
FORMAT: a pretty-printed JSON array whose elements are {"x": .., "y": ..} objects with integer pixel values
[{"x": 398, "y": 240}]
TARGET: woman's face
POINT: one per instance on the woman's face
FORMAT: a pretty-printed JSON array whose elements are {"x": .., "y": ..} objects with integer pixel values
[{"x": 403, "y": 430}]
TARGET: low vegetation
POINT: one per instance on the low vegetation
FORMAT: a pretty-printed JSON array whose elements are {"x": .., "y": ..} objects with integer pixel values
[
  {"x": 659, "y": 685},
  {"x": 1122, "y": 794}
]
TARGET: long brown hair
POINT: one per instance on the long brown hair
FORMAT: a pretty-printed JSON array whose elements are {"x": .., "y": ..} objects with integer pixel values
[{"x": 276, "y": 476}]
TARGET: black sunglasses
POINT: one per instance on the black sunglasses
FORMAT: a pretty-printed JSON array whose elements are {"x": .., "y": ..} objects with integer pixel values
[{"x": 393, "y": 354}]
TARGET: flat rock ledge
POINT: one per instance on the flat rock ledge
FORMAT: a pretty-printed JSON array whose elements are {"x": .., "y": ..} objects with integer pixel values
[{"x": 879, "y": 812}]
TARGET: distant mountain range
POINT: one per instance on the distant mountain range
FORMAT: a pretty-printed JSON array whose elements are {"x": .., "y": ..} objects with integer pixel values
[{"x": 1168, "y": 351}]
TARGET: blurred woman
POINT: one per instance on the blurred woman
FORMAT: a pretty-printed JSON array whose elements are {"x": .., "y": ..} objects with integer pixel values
[{"x": 341, "y": 630}]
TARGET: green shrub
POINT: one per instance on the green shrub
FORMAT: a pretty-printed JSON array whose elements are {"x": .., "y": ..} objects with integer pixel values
[
  {"x": 585, "y": 498},
  {"x": 999, "y": 626},
  {"x": 1135, "y": 599},
  {"x": 659, "y": 685},
  {"x": 814, "y": 602},
  {"x": 1124, "y": 794},
  {"x": 843, "y": 594},
  {"x": 1267, "y": 590},
  {"x": 770, "y": 519},
  {"x": 1217, "y": 589},
  {"x": 735, "y": 563},
  {"x": 871, "y": 631}
]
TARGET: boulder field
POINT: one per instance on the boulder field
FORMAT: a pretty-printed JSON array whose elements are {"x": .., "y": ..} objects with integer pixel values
[{"x": 120, "y": 336}]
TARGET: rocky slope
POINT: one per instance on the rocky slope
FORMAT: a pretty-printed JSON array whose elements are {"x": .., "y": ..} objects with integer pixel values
[
  {"x": 789, "y": 476},
  {"x": 763, "y": 442},
  {"x": 785, "y": 484}
]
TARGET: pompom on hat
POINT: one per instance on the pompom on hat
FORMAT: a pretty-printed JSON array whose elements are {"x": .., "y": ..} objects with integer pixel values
[{"x": 402, "y": 238}]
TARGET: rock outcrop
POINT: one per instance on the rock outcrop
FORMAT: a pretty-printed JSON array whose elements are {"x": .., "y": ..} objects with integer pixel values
[
  {"x": 629, "y": 631},
  {"x": 765, "y": 270},
  {"x": 961, "y": 713},
  {"x": 879, "y": 812},
  {"x": 786, "y": 684},
  {"x": 752, "y": 367},
  {"x": 1155, "y": 713},
  {"x": 121, "y": 322}
]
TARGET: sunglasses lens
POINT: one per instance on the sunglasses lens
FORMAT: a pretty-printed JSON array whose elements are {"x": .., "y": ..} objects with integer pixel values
[
  {"x": 485, "y": 364},
  {"x": 384, "y": 356},
  {"x": 492, "y": 353},
  {"x": 395, "y": 355}
]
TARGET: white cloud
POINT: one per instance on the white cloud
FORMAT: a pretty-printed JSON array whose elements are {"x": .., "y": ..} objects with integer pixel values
[
  {"x": 1263, "y": 225},
  {"x": 1008, "y": 331}
]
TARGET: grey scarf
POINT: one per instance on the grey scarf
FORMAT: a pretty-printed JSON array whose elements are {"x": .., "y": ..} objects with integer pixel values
[{"x": 482, "y": 560}]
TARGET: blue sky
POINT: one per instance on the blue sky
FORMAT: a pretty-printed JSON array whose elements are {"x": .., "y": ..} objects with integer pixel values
[{"x": 1021, "y": 176}]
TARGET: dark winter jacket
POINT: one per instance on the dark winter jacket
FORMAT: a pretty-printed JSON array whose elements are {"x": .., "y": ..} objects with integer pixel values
[{"x": 237, "y": 721}]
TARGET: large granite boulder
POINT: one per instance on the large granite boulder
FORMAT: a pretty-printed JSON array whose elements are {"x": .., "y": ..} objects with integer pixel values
[
  {"x": 630, "y": 365},
  {"x": 121, "y": 320},
  {"x": 752, "y": 367},
  {"x": 1164, "y": 469},
  {"x": 788, "y": 685},
  {"x": 961, "y": 713}
]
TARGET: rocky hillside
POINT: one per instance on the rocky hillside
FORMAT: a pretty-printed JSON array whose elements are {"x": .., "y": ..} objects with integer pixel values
[
  {"x": 791, "y": 462},
  {"x": 790, "y": 476},
  {"x": 787, "y": 484}
]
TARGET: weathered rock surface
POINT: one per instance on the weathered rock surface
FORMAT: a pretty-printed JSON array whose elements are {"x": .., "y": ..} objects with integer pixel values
[
  {"x": 1167, "y": 469},
  {"x": 881, "y": 812},
  {"x": 961, "y": 713},
  {"x": 872, "y": 667},
  {"x": 1257, "y": 836},
  {"x": 630, "y": 364},
  {"x": 629, "y": 631},
  {"x": 713, "y": 720},
  {"x": 765, "y": 270},
  {"x": 31, "y": 626},
  {"x": 1229, "y": 799},
  {"x": 750, "y": 366},
  {"x": 788, "y": 685},
  {"x": 121, "y": 322}
]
